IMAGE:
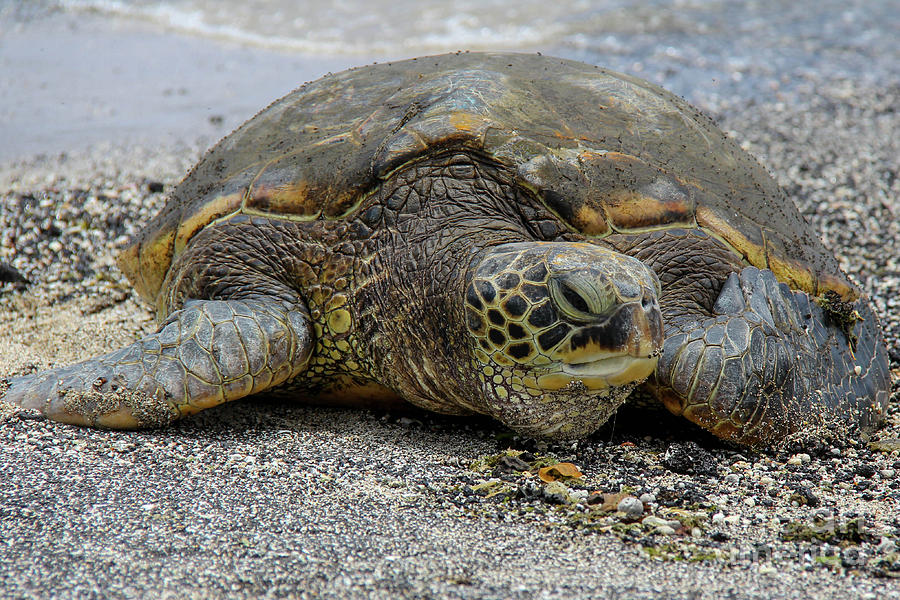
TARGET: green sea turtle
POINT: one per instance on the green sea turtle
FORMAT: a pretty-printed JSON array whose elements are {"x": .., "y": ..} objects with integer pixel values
[{"x": 515, "y": 235}]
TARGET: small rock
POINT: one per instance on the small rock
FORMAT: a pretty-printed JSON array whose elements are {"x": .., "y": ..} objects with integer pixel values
[
  {"x": 648, "y": 498},
  {"x": 579, "y": 495},
  {"x": 631, "y": 508},
  {"x": 864, "y": 470},
  {"x": 690, "y": 459},
  {"x": 557, "y": 493},
  {"x": 887, "y": 473},
  {"x": 595, "y": 498},
  {"x": 750, "y": 501},
  {"x": 664, "y": 530},
  {"x": 654, "y": 521},
  {"x": 8, "y": 274},
  {"x": 886, "y": 546},
  {"x": 799, "y": 459},
  {"x": 804, "y": 496},
  {"x": 718, "y": 518},
  {"x": 732, "y": 479},
  {"x": 512, "y": 464},
  {"x": 732, "y": 519}
]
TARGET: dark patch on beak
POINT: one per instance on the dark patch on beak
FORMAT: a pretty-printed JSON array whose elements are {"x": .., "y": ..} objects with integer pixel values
[{"x": 613, "y": 335}]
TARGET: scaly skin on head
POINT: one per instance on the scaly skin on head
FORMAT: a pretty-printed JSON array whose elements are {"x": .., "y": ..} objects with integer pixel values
[{"x": 564, "y": 332}]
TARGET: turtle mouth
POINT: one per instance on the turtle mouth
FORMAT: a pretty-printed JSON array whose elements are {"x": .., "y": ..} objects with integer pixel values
[
  {"x": 599, "y": 375},
  {"x": 614, "y": 370}
]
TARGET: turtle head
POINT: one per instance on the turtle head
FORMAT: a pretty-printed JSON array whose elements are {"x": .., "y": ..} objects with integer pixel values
[{"x": 562, "y": 332}]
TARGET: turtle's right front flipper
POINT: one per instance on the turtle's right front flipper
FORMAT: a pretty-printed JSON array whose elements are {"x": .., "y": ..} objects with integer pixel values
[
  {"x": 770, "y": 362},
  {"x": 207, "y": 353}
]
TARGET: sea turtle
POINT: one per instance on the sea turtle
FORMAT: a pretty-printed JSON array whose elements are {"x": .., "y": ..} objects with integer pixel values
[{"x": 515, "y": 235}]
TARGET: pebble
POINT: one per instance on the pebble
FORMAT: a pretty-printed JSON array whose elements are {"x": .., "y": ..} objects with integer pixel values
[
  {"x": 647, "y": 498},
  {"x": 718, "y": 518},
  {"x": 557, "y": 493},
  {"x": 689, "y": 458},
  {"x": 653, "y": 521},
  {"x": 631, "y": 508},
  {"x": 799, "y": 459}
]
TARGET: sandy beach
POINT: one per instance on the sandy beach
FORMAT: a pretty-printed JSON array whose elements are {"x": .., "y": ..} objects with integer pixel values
[{"x": 262, "y": 499}]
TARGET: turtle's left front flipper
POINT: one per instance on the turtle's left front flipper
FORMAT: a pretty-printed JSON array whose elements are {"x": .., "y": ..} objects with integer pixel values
[
  {"x": 770, "y": 362},
  {"x": 207, "y": 353}
]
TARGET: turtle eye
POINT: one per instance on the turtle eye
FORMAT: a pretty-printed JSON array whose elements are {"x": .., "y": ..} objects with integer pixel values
[
  {"x": 574, "y": 298},
  {"x": 579, "y": 299}
]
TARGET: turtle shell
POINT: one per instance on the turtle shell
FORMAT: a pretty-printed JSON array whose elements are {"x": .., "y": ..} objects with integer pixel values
[{"x": 606, "y": 152}]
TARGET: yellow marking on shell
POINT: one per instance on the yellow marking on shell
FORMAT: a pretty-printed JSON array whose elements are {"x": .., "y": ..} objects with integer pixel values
[
  {"x": 467, "y": 122},
  {"x": 753, "y": 252},
  {"x": 129, "y": 261},
  {"x": 628, "y": 210},
  {"x": 488, "y": 370},
  {"x": 342, "y": 345},
  {"x": 154, "y": 261},
  {"x": 291, "y": 199},
  {"x": 839, "y": 286},
  {"x": 482, "y": 357},
  {"x": 501, "y": 392},
  {"x": 796, "y": 274},
  {"x": 590, "y": 220},
  {"x": 204, "y": 215}
]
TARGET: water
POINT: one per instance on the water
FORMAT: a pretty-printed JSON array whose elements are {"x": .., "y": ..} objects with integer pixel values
[{"x": 128, "y": 66}]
